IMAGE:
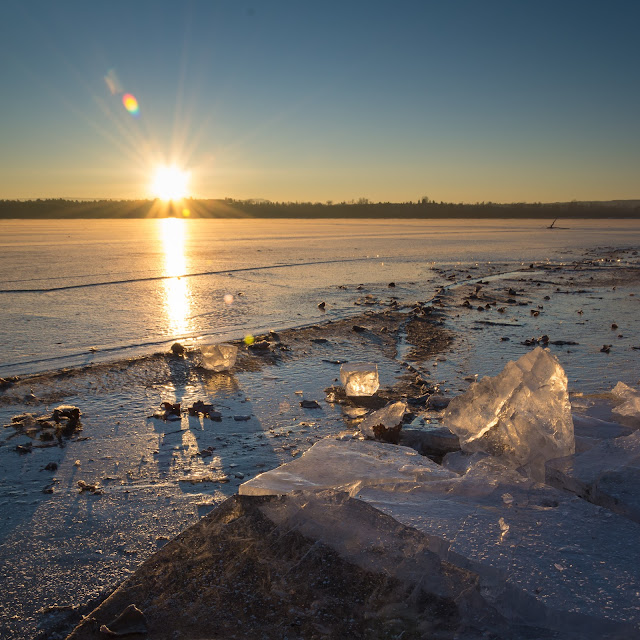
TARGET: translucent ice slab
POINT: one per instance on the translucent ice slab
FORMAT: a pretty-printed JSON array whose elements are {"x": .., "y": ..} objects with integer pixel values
[
  {"x": 345, "y": 464},
  {"x": 522, "y": 415},
  {"x": 543, "y": 556}
]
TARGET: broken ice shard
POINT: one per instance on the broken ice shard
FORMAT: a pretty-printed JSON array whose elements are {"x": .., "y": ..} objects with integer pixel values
[
  {"x": 522, "y": 415},
  {"x": 627, "y": 411},
  {"x": 219, "y": 357},
  {"x": 385, "y": 424},
  {"x": 359, "y": 378}
]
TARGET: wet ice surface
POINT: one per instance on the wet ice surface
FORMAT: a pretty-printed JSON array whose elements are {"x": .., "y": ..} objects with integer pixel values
[
  {"x": 64, "y": 548},
  {"x": 123, "y": 287}
]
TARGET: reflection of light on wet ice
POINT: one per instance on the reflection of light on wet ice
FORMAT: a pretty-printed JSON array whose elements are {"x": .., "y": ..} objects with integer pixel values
[
  {"x": 177, "y": 293},
  {"x": 189, "y": 442}
]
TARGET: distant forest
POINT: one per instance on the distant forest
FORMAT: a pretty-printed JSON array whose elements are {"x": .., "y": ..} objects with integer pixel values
[{"x": 362, "y": 208}]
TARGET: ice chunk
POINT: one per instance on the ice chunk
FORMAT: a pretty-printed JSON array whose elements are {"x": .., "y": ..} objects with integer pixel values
[
  {"x": 343, "y": 464},
  {"x": 542, "y": 555},
  {"x": 628, "y": 413},
  {"x": 623, "y": 391},
  {"x": 522, "y": 415},
  {"x": 359, "y": 378},
  {"x": 608, "y": 474},
  {"x": 219, "y": 357},
  {"x": 385, "y": 424},
  {"x": 627, "y": 410}
]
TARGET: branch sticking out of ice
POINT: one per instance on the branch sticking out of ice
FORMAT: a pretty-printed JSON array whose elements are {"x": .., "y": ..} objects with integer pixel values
[
  {"x": 219, "y": 357},
  {"x": 359, "y": 378},
  {"x": 522, "y": 415}
]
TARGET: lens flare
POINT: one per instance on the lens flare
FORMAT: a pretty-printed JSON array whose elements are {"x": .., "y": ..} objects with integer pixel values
[
  {"x": 249, "y": 339},
  {"x": 228, "y": 299},
  {"x": 131, "y": 104}
]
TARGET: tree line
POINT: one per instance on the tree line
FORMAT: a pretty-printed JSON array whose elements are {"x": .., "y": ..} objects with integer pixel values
[{"x": 361, "y": 208}]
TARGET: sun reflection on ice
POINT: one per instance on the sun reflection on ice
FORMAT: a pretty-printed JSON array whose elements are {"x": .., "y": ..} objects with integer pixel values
[{"x": 177, "y": 292}]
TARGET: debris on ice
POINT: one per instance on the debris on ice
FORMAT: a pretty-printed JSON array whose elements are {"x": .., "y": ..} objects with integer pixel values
[
  {"x": 522, "y": 415},
  {"x": 359, "y": 378},
  {"x": 385, "y": 424},
  {"x": 219, "y": 357}
]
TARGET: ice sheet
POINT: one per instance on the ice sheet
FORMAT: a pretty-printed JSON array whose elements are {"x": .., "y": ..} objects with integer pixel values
[
  {"x": 543, "y": 555},
  {"x": 346, "y": 465}
]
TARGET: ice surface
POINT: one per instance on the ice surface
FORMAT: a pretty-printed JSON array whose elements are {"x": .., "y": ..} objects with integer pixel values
[
  {"x": 543, "y": 555},
  {"x": 345, "y": 464},
  {"x": 590, "y": 431},
  {"x": 359, "y": 378},
  {"x": 597, "y": 429},
  {"x": 522, "y": 415},
  {"x": 219, "y": 357},
  {"x": 608, "y": 474},
  {"x": 385, "y": 424}
]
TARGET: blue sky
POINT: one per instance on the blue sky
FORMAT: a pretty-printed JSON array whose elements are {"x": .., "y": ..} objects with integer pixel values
[{"x": 459, "y": 101}]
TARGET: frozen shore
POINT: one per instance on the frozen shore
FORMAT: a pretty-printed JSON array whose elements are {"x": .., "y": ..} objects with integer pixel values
[{"x": 64, "y": 549}]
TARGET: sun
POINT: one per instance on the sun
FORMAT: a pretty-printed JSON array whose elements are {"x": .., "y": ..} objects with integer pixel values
[{"x": 170, "y": 183}]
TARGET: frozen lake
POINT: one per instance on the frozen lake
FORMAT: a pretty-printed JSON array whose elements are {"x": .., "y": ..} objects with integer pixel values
[{"x": 81, "y": 291}]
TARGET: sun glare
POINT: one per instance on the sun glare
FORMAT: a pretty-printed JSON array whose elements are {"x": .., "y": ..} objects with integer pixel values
[{"x": 170, "y": 183}]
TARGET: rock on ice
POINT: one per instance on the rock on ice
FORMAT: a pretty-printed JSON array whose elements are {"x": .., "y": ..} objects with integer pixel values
[
  {"x": 219, "y": 357},
  {"x": 522, "y": 415},
  {"x": 359, "y": 378},
  {"x": 385, "y": 424}
]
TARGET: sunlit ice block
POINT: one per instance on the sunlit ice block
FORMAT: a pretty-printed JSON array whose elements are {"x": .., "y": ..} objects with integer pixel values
[
  {"x": 219, "y": 357},
  {"x": 359, "y": 378}
]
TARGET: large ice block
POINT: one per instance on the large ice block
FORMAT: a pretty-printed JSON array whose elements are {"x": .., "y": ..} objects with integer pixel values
[
  {"x": 219, "y": 357},
  {"x": 522, "y": 415},
  {"x": 359, "y": 378},
  {"x": 543, "y": 556}
]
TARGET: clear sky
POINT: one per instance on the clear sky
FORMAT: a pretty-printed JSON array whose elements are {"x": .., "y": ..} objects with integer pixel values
[{"x": 456, "y": 100}]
